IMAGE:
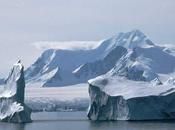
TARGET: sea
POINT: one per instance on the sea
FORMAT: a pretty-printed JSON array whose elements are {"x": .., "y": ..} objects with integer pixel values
[{"x": 79, "y": 121}]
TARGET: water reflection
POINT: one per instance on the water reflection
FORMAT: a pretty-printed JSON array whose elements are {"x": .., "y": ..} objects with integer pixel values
[
  {"x": 133, "y": 125},
  {"x": 78, "y": 121},
  {"x": 12, "y": 126}
]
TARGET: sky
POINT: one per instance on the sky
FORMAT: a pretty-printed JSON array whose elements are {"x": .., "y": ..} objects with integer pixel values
[{"x": 27, "y": 24}]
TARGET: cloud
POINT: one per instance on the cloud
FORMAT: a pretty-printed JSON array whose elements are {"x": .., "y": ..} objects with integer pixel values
[
  {"x": 168, "y": 45},
  {"x": 70, "y": 45}
]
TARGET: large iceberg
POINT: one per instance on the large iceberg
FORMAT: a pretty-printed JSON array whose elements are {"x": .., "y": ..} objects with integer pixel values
[
  {"x": 12, "y": 106},
  {"x": 117, "y": 98}
]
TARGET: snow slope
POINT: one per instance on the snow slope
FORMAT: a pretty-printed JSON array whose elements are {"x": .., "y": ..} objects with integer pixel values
[
  {"x": 144, "y": 64},
  {"x": 64, "y": 60},
  {"x": 69, "y": 67}
]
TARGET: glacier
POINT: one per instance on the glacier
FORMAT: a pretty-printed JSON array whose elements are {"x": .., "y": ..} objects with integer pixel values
[
  {"x": 71, "y": 98},
  {"x": 12, "y": 106}
]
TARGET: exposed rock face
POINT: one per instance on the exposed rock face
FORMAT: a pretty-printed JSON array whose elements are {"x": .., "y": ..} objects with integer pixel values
[
  {"x": 99, "y": 67},
  {"x": 139, "y": 101},
  {"x": 12, "y": 106}
]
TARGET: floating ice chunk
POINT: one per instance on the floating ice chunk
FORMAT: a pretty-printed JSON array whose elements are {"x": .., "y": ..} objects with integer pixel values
[
  {"x": 12, "y": 107},
  {"x": 123, "y": 99}
]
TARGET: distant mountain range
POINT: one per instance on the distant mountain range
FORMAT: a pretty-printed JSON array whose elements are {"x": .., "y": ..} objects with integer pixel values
[{"x": 130, "y": 54}]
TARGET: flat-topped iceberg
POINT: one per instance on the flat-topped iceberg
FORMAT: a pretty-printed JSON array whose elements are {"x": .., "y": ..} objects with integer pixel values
[
  {"x": 12, "y": 106},
  {"x": 117, "y": 98}
]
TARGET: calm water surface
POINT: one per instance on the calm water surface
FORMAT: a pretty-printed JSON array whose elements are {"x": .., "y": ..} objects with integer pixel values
[{"x": 78, "y": 121}]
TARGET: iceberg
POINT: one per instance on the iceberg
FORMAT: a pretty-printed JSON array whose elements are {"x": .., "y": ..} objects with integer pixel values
[
  {"x": 12, "y": 106},
  {"x": 117, "y": 98}
]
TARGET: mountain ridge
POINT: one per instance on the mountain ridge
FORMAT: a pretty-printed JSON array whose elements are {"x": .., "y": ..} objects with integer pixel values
[{"x": 78, "y": 66}]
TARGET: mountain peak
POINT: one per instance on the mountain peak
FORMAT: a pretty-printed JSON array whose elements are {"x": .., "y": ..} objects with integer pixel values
[{"x": 132, "y": 39}]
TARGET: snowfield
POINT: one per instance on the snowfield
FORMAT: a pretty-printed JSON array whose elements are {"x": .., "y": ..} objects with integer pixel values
[
  {"x": 70, "y": 98},
  {"x": 120, "y": 86}
]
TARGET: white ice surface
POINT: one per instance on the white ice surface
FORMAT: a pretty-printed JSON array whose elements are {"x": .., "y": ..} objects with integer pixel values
[
  {"x": 69, "y": 98},
  {"x": 59, "y": 93},
  {"x": 48, "y": 98},
  {"x": 118, "y": 86},
  {"x": 10, "y": 109}
]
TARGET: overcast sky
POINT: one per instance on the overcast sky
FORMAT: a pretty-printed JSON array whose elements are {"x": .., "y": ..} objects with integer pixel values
[{"x": 24, "y": 22}]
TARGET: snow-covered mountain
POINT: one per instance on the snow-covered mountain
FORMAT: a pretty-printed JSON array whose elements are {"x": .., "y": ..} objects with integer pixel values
[
  {"x": 54, "y": 62},
  {"x": 129, "y": 54}
]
